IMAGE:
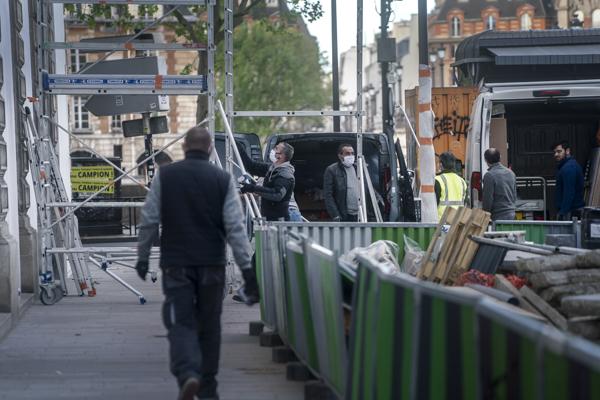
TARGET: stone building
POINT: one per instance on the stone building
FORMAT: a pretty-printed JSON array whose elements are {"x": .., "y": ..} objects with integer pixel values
[
  {"x": 453, "y": 20},
  {"x": 19, "y": 251}
]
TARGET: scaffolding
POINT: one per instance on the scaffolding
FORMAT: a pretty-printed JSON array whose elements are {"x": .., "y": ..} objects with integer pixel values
[{"x": 60, "y": 245}]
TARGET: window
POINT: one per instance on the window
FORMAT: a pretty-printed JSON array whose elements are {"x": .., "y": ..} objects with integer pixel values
[
  {"x": 80, "y": 118},
  {"x": 455, "y": 26},
  {"x": 525, "y": 22},
  {"x": 491, "y": 22},
  {"x": 596, "y": 18},
  {"x": 116, "y": 123}
]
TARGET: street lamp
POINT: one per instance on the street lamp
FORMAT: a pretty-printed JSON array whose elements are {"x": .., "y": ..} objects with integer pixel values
[
  {"x": 432, "y": 59},
  {"x": 441, "y": 53}
]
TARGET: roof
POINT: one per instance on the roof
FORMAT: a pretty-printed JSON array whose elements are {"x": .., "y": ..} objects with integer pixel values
[
  {"x": 536, "y": 55},
  {"x": 476, "y": 48},
  {"x": 496, "y": 56},
  {"x": 507, "y": 8}
]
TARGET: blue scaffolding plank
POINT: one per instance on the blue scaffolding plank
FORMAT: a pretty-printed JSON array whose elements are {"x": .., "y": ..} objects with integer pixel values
[{"x": 89, "y": 84}]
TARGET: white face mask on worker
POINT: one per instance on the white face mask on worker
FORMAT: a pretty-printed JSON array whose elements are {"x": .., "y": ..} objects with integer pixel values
[
  {"x": 348, "y": 161},
  {"x": 272, "y": 156}
]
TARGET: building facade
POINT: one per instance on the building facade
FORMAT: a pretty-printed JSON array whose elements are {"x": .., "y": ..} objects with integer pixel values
[
  {"x": 453, "y": 20},
  {"x": 19, "y": 251}
]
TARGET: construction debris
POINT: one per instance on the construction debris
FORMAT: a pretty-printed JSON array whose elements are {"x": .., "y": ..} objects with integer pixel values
[
  {"x": 575, "y": 306},
  {"x": 566, "y": 290},
  {"x": 544, "y": 308},
  {"x": 542, "y": 280}
]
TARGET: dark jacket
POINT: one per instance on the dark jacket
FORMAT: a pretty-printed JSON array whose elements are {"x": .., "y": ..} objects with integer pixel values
[
  {"x": 277, "y": 187},
  {"x": 334, "y": 190},
  {"x": 500, "y": 192},
  {"x": 569, "y": 187},
  {"x": 199, "y": 209}
]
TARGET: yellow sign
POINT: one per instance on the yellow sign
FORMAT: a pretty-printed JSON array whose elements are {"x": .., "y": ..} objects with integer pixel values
[{"x": 90, "y": 179}]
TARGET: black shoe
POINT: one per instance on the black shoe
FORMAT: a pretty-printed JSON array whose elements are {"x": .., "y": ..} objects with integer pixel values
[
  {"x": 237, "y": 298},
  {"x": 189, "y": 389},
  {"x": 208, "y": 389}
]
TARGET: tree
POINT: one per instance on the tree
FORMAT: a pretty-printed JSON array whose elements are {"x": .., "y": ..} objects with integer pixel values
[
  {"x": 190, "y": 23},
  {"x": 275, "y": 69}
]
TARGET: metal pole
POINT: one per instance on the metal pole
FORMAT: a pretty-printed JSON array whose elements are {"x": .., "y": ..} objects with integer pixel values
[
  {"x": 334, "y": 66},
  {"x": 359, "y": 107},
  {"x": 386, "y": 112},
  {"x": 423, "y": 39},
  {"x": 148, "y": 147}
]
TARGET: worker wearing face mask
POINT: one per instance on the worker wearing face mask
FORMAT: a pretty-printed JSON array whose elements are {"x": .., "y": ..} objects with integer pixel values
[
  {"x": 340, "y": 186},
  {"x": 278, "y": 185}
]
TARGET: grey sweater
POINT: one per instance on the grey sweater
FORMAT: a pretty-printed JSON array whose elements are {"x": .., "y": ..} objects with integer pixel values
[
  {"x": 499, "y": 192},
  {"x": 233, "y": 220}
]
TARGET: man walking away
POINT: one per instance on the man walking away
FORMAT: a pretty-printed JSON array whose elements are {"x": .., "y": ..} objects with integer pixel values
[
  {"x": 340, "y": 186},
  {"x": 278, "y": 185},
  {"x": 199, "y": 209},
  {"x": 450, "y": 188},
  {"x": 569, "y": 183},
  {"x": 499, "y": 188}
]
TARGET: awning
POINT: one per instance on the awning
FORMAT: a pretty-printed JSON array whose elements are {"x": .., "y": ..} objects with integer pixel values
[{"x": 547, "y": 55}]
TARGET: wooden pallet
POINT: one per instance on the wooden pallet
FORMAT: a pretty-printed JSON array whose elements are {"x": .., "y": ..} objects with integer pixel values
[
  {"x": 465, "y": 252},
  {"x": 450, "y": 254}
]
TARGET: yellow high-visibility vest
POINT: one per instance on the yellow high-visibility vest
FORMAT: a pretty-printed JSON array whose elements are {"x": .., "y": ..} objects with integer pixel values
[{"x": 453, "y": 191}]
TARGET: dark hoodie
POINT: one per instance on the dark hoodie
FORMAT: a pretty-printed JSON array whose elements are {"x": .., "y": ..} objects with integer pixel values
[
  {"x": 277, "y": 187},
  {"x": 569, "y": 187}
]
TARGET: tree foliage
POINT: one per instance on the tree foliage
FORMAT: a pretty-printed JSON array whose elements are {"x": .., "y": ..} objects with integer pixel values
[{"x": 275, "y": 70}]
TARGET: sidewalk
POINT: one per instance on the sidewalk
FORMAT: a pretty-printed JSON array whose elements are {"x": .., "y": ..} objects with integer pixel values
[{"x": 111, "y": 347}]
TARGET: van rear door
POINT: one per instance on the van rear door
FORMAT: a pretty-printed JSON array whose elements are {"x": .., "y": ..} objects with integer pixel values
[
  {"x": 405, "y": 191},
  {"x": 250, "y": 142},
  {"x": 476, "y": 142}
]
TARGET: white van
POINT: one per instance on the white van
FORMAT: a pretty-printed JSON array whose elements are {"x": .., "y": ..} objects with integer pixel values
[{"x": 523, "y": 120}]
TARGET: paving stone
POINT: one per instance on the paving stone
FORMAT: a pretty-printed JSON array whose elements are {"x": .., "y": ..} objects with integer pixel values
[{"x": 111, "y": 347}]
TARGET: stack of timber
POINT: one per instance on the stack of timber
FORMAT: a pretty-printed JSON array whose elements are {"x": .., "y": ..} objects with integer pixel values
[
  {"x": 451, "y": 251},
  {"x": 565, "y": 289}
]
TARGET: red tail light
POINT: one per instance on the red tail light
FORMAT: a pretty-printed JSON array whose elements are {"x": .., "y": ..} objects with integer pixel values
[{"x": 476, "y": 184}]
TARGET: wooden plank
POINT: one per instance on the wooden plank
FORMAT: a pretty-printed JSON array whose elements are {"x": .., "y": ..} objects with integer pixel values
[
  {"x": 477, "y": 226},
  {"x": 449, "y": 241},
  {"x": 535, "y": 315},
  {"x": 436, "y": 241},
  {"x": 544, "y": 308},
  {"x": 455, "y": 244},
  {"x": 501, "y": 283}
]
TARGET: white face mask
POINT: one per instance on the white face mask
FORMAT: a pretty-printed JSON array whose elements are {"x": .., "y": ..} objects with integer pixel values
[
  {"x": 272, "y": 156},
  {"x": 348, "y": 161}
]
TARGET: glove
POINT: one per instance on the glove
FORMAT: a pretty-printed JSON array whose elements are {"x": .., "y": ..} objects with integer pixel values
[
  {"x": 142, "y": 269},
  {"x": 248, "y": 188},
  {"x": 250, "y": 290}
]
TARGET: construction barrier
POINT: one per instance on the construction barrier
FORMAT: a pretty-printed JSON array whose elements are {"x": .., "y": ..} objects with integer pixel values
[
  {"x": 536, "y": 231},
  {"x": 342, "y": 237},
  {"x": 408, "y": 339},
  {"x": 412, "y": 339}
]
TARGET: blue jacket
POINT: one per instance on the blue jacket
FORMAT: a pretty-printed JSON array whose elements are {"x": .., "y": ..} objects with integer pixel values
[{"x": 569, "y": 186}]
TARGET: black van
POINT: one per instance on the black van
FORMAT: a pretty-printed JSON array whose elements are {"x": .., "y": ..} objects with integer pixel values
[{"x": 313, "y": 152}]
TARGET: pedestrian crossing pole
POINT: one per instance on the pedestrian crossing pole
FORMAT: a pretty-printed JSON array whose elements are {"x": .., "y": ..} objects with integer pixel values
[{"x": 426, "y": 151}]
